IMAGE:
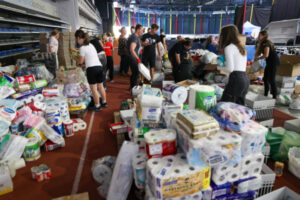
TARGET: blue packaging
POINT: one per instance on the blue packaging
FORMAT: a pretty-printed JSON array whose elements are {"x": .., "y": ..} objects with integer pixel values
[
  {"x": 220, "y": 190},
  {"x": 58, "y": 127},
  {"x": 244, "y": 196}
]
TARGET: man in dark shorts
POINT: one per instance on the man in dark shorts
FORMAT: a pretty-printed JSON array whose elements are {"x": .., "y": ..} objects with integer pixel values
[
  {"x": 150, "y": 42},
  {"x": 133, "y": 45}
]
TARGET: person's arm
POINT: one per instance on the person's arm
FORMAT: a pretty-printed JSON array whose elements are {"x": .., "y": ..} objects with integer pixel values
[
  {"x": 229, "y": 60},
  {"x": 265, "y": 55},
  {"x": 159, "y": 51},
  {"x": 133, "y": 53},
  {"x": 80, "y": 60},
  {"x": 50, "y": 45},
  {"x": 177, "y": 56},
  {"x": 165, "y": 44}
]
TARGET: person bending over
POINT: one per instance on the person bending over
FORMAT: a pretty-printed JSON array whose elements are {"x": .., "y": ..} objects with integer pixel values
[
  {"x": 133, "y": 44},
  {"x": 236, "y": 59},
  {"x": 94, "y": 68},
  {"x": 266, "y": 47}
]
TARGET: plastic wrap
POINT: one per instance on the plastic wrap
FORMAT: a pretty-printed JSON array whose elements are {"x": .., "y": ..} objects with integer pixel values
[
  {"x": 294, "y": 161},
  {"x": 51, "y": 134},
  {"x": 12, "y": 146},
  {"x": 72, "y": 90},
  {"x": 209, "y": 57},
  {"x": 5, "y": 88},
  {"x": 120, "y": 185}
]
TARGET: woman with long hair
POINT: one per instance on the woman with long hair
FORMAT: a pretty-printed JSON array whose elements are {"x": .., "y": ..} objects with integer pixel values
[
  {"x": 266, "y": 48},
  {"x": 94, "y": 68},
  {"x": 123, "y": 52},
  {"x": 236, "y": 59}
]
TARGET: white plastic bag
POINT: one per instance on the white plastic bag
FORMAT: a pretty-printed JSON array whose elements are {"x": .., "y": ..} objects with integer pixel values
[
  {"x": 294, "y": 161},
  {"x": 295, "y": 104},
  {"x": 123, "y": 172},
  {"x": 144, "y": 71}
]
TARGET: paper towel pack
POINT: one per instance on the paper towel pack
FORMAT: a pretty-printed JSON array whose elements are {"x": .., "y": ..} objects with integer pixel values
[
  {"x": 172, "y": 177},
  {"x": 139, "y": 170},
  {"x": 175, "y": 93},
  {"x": 196, "y": 123},
  {"x": 202, "y": 97},
  {"x": 254, "y": 138}
]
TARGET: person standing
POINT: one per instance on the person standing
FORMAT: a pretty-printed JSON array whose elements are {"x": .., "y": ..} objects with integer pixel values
[
  {"x": 108, "y": 48},
  {"x": 123, "y": 52},
  {"x": 266, "y": 47},
  {"x": 150, "y": 42},
  {"x": 53, "y": 41},
  {"x": 177, "y": 54},
  {"x": 133, "y": 45},
  {"x": 236, "y": 59},
  {"x": 94, "y": 68}
]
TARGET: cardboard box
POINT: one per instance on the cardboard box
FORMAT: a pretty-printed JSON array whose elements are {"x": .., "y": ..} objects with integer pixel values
[
  {"x": 211, "y": 67},
  {"x": 289, "y": 65},
  {"x": 6, "y": 185},
  {"x": 297, "y": 89},
  {"x": 81, "y": 196}
]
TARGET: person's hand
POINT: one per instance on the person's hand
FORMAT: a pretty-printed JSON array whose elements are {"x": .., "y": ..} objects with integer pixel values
[
  {"x": 159, "y": 58},
  {"x": 256, "y": 59},
  {"x": 138, "y": 61}
]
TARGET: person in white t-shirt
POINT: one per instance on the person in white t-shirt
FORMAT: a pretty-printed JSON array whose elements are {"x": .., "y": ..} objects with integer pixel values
[
  {"x": 236, "y": 60},
  {"x": 94, "y": 68},
  {"x": 53, "y": 41}
]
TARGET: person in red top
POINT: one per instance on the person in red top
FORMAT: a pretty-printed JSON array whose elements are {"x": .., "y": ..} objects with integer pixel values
[{"x": 108, "y": 48}]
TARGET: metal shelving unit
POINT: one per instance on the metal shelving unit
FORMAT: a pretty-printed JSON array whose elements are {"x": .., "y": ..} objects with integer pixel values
[
  {"x": 31, "y": 15},
  {"x": 20, "y": 42},
  {"x": 32, "y": 24},
  {"x": 19, "y": 53},
  {"x": 19, "y": 32}
]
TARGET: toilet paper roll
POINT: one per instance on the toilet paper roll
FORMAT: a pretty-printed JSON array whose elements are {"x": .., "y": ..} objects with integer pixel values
[
  {"x": 139, "y": 172},
  {"x": 219, "y": 179},
  {"x": 102, "y": 173},
  {"x": 103, "y": 190},
  {"x": 245, "y": 173},
  {"x": 234, "y": 175},
  {"x": 38, "y": 97},
  {"x": 247, "y": 161},
  {"x": 255, "y": 184},
  {"x": 175, "y": 93},
  {"x": 76, "y": 127},
  {"x": 221, "y": 169},
  {"x": 255, "y": 169}
]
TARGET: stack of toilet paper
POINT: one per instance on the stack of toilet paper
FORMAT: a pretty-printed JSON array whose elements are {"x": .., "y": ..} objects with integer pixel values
[
  {"x": 160, "y": 142},
  {"x": 249, "y": 166},
  {"x": 171, "y": 177},
  {"x": 169, "y": 113},
  {"x": 149, "y": 104},
  {"x": 254, "y": 138},
  {"x": 223, "y": 147},
  {"x": 138, "y": 137},
  {"x": 139, "y": 170},
  {"x": 220, "y": 190},
  {"x": 196, "y": 123}
]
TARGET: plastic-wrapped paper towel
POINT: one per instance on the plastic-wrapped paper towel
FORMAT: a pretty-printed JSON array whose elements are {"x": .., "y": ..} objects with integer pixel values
[
  {"x": 252, "y": 165},
  {"x": 232, "y": 116},
  {"x": 171, "y": 177},
  {"x": 196, "y": 123},
  {"x": 253, "y": 138},
  {"x": 12, "y": 146},
  {"x": 139, "y": 170},
  {"x": 151, "y": 97},
  {"x": 120, "y": 185},
  {"x": 136, "y": 90},
  {"x": 160, "y": 142},
  {"x": 150, "y": 114},
  {"x": 202, "y": 97},
  {"x": 221, "y": 148},
  {"x": 175, "y": 93},
  {"x": 51, "y": 134}
]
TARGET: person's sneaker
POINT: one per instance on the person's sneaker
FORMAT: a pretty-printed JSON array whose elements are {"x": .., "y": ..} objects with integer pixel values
[
  {"x": 112, "y": 81},
  {"x": 104, "y": 105},
  {"x": 94, "y": 108}
]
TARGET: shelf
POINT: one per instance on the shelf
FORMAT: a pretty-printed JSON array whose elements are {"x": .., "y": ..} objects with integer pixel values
[
  {"x": 32, "y": 15},
  {"x": 30, "y": 23},
  {"x": 19, "y": 32},
  {"x": 19, "y": 53},
  {"x": 20, "y": 42}
]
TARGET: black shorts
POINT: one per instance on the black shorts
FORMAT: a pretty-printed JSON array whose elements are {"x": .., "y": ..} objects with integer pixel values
[
  {"x": 94, "y": 74},
  {"x": 149, "y": 60}
]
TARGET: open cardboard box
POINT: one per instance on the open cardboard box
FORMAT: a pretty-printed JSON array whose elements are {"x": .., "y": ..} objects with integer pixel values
[{"x": 289, "y": 65}]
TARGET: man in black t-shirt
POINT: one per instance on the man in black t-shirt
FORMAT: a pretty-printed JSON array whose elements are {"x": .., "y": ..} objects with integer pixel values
[
  {"x": 177, "y": 53},
  {"x": 150, "y": 42},
  {"x": 133, "y": 45}
]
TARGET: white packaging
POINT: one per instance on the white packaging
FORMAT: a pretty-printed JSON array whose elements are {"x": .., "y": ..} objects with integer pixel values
[
  {"x": 175, "y": 93},
  {"x": 6, "y": 184},
  {"x": 12, "y": 147},
  {"x": 51, "y": 134},
  {"x": 139, "y": 170},
  {"x": 120, "y": 185},
  {"x": 144, "y": 71},
  {"x": 252, "y": 165},
  {"x": 294, "y": 161}
]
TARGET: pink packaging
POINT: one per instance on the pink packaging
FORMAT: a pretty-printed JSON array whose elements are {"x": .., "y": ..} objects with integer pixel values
[
  {"x": 34, "y": 121},
  {"x": 22, "y": 114}
]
